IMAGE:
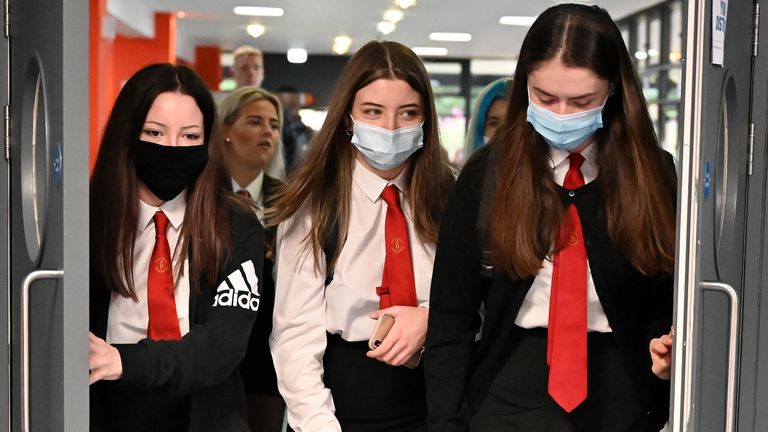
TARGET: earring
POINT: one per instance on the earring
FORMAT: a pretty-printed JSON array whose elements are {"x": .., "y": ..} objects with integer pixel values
[
  {"x": 228, "y": 140},
  {"x": 349, "y": 131}
]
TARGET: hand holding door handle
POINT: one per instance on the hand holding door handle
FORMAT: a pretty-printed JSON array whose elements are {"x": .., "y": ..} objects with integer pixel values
[{"x": 104, "y": 360}]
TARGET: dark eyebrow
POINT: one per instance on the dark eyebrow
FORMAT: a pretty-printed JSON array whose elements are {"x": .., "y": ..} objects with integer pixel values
[
  {"x": 258, "y": 117},
  {"x": 572, "y": 98},
  {"x": 163, "y": 125},
  {"x": 373, "y": 104},
  {"x": 413, "y": 105}
]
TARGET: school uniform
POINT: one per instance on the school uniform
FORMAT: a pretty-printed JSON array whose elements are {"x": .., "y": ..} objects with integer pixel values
[
  {"x": 192, "y": 384},
  {"x": 499, "y": 383},
  {"x": 257, "y": 367},
  {"x": 320, "y": 333}
]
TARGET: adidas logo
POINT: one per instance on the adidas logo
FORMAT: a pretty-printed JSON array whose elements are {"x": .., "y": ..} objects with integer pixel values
[{"x": 239, "y": 289}]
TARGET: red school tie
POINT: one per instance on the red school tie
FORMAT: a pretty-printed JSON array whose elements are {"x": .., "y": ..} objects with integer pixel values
[
  {"x": 244, "y": 193},
  {"x": 163, "y": 321},
  {"x": 397, "y": 282},
  {"x": 567, "y": 328}
]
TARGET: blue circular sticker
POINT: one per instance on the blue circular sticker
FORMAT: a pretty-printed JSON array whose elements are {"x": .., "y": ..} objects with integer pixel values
[{"x": 57, "y": 165}]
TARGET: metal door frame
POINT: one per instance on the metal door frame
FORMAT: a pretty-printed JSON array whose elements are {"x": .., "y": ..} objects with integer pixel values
[
  {"x": 741, "y": 410},
  {"x": 75, "y": 151}
]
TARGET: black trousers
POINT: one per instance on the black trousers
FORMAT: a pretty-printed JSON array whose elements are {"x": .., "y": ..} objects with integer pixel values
[
  {"x": 518, "y": 399},
  {"x": 369, "y": 395}
]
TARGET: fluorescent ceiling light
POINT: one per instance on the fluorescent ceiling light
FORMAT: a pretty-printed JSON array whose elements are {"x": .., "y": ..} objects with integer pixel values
[
  {"x": 393, "y": 15},
  {"x": 255, "y": 30},
  {"x": 450, "y": 37},
  {"x": 430, "y": 51},
  {"x": 405, "y": 4},
  {"x": 259, "y": 11},
  {"x": 385, "y": 27},
  {"x": 517, "y": 20},
  {"x": 297, "y": 55},
  {"x": 341, "y": 44}
]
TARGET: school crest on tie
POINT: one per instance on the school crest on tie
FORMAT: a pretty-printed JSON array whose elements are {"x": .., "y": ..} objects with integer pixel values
[
  {"x": 397, "y": 244},
  {"x": 161, "y": 265},
  {"x": 573, "y": 238}
]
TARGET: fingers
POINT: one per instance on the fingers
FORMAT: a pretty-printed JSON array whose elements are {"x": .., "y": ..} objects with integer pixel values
[
  {"x": 103, "y": 360},
  {"x": 661, "y": 356},
  {"x": 394, "y": 311},
  {"x": 659, "y": 348},
  {"x": 395, "y": 349}
]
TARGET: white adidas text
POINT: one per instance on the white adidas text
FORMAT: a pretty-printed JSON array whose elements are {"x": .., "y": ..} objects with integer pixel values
[{"x": 240, "y": 291}]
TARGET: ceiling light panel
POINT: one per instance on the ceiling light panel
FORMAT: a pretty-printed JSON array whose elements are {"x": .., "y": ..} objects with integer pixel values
[
  {"x": 525, "y": 21},
  {"x": 259, "y": 11},
  {"x": 450, "y": 37},
  {"x": 297, "y": 55},
  {"x": 430, "y": 51}
]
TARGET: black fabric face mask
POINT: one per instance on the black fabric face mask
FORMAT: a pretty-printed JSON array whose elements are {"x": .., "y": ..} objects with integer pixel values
[{"x": 168, "y": 170}]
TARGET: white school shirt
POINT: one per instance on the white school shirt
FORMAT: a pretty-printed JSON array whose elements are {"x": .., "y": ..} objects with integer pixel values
[
  {"x": 534, "y": 311},
  {"x": 128, "y": 320},
  {"x": 255, "y": 189},
  {"x": 305, "y": 309}
]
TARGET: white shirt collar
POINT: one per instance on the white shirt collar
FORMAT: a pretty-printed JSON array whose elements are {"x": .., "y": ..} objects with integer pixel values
[
  {"x": 174, "y": 209},
  {"x": 558, "y": 157},
  {"x": 373, "y": 185},
  {"x": 254, "y": 188}
]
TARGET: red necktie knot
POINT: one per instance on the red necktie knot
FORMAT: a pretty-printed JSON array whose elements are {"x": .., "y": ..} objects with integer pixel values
[
  {"x": 391, "y": 196},
  {"x": 573, "y": 178},
  {"x": 244, "y": 193},
  {"x": 161, "y": 224}
]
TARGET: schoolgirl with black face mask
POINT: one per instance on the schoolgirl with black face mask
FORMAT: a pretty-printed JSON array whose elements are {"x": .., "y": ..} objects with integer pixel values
[
  {"x": 563, "y": 227},
  {"x": 355, "y": 243},
  {"x": 176, "y": 264}
]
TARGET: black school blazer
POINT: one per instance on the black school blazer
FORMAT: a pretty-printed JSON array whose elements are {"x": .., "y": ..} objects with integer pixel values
[
  {"x": 459, "y": 371},
  {"x": 201, "y": 370}
]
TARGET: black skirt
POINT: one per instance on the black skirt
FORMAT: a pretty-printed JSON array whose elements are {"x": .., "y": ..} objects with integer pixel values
[
  {"x": 370, "y": 395},
  {"x": 518, "y": 399}
]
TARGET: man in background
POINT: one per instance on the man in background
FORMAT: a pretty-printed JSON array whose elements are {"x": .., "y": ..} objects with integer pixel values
[
  {"x": 296, "y": 134},
  {"x": 248, "y": 66}
]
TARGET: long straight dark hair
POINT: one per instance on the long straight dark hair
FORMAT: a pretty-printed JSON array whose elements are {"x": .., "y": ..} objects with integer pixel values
[
  {"x": 638, "y": 189},
  {"x": 114, "y": 198},
  {"x": 324, "y": 182}
]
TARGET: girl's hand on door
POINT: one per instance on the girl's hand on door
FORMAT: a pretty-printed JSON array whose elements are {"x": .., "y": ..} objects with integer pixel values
[
  {"x": 103, "y": 360},
  {"x": 661, "y": 355},
  {"x": 406, "y": 337}
]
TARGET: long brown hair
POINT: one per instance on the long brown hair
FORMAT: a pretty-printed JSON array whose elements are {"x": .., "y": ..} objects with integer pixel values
[
  {"x": 114, "y": 199},
  {"x": 324, "y": 181},
  {"x": 638, "y": 189}
]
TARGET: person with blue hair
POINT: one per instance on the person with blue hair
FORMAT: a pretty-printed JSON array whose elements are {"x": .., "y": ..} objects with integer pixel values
[{"x": 490, "y": 106}]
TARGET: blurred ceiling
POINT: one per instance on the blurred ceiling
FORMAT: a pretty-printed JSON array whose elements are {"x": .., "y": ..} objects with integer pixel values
[{"x": 313, "y": 24}]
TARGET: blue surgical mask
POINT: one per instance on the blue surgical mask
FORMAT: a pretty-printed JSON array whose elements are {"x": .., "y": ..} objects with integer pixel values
[
  {"x": 565, "y": 132},
  {"x": 385, "y": 149}
]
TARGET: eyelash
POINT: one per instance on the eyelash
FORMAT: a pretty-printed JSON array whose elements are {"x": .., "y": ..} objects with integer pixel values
[{"x": 578, "y": 104}]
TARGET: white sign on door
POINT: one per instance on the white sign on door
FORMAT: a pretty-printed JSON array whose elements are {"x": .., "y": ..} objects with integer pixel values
[{"x": 719, "y": 18}]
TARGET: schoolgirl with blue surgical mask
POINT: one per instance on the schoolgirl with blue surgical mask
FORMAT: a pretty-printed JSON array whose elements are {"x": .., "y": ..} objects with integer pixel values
[
  {"x": 356, "y": 239},
  {"x": 564, "y": 228}
]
